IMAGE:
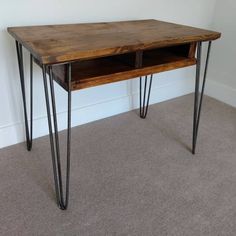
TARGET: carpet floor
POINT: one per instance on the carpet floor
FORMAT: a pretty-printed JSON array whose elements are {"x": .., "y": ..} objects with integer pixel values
[{"x": 129, "y": 177}]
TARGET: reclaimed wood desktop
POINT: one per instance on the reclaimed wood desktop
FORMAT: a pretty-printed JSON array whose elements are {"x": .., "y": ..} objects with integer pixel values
[{"x": 78, "y": 56}]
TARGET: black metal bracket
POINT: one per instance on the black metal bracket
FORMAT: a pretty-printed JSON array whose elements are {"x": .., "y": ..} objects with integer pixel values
[
  {"x": 62, "y": 201},
  {"x": 144, "y": 99},
  {"x": 28, "y": 130},
  {"x": 197, "y": 101}
]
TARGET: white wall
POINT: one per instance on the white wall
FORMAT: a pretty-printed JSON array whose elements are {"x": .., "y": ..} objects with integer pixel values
[
  {"x": 222, "y": 83},
  {"x": 97, "y": 102}
]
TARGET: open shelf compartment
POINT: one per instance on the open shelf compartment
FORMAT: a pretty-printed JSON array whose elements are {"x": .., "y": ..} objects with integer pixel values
[{"x": 98, "y": 71}]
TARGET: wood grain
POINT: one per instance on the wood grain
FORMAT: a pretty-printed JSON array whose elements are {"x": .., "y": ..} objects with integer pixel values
[
  {"x": 111, "y": 69},
  {"x": 53, "y": 44}
]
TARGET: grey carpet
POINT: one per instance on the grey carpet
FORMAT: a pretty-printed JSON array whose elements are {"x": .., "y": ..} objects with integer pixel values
[{"x": 130, "y": 177}]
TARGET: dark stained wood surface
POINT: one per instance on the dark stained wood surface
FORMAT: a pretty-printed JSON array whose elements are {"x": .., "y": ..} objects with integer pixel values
[
  {"x": 105, "y": 70},
  {"x": 125, "y": 75},
  {"x": 62, "y": 43}
]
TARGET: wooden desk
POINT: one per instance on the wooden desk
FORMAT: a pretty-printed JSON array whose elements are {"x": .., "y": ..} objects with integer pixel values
[{"x": 79, "y": 56}]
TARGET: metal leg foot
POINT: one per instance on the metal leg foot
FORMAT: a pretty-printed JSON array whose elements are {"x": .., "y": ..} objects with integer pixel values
[
  {"x": 28, "y": 130},
  {"x": 197, "y": 102},
  {"x": 144, "y": 100},
  {"x": 54, "y": 137}
]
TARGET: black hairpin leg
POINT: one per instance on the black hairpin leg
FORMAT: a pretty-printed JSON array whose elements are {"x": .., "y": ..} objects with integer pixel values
[
  {"x": 28, "y": 130},
  {"x": 54, "y": 137},
  {"x": 144, "y": 100},
  {"x": 197, "y": 102}
]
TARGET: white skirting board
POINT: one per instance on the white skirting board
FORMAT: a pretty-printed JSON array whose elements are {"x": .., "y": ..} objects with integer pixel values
[
  {"x": 221, "y": 92},
  {"x": 14, "y": 133}
]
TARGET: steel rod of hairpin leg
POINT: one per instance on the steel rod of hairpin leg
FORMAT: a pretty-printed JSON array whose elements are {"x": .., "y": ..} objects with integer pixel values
[
  {"x": 54, "y": 139},
  {"x": 64, "y": 202},
  {"x": 56, "y": 136},
  {"x": 144, "y": 95},
  {"x": 144, "y": 103},
  {"x": 31, "y": 100},
  {"x": 203, "y": 85},
  {"x": 196, "y": 94},
  {"x": 149, "y": 92},
  {"x": 68, "y": 135},
  {"x": 28, "y": 131},
  {"x": 197, "y": 103},
  {"x": 54, "y": 163},
  {"x": 140, "y": 96}
]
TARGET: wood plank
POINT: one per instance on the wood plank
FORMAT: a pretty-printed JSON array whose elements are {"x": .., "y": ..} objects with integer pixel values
[
  {"x": 108, "y": 70},
  {"x": 53, "y": 44},
  {"x": 132, "y": 74},
  {"x": 192, "y": 50}
]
